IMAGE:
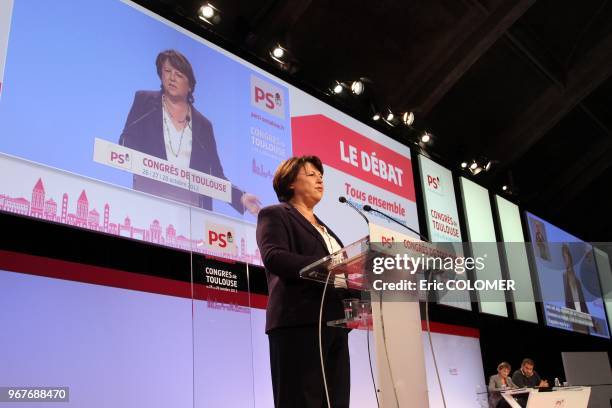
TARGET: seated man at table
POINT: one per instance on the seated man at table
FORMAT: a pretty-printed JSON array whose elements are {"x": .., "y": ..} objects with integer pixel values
[{"x": 526, "y": 376}]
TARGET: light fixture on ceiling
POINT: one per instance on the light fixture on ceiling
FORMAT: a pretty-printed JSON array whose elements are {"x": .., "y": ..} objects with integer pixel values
[
  {"x": 509, "y": 188},
  {"x": 209, "y": 14},
  {"x": 278, "y": 52},
  {"x": 284, "y": 57},
  {"x": 389, "y": 118},
  {"x": 408, "y": 118},
  {"x": 476, "y": 170},
  {"x": 475, "y": 167},
  {"x": 426, "y": 137},
  {"x": 478, "y": 165},
  {"x": 338, "y": 88},
  {"x": 207, "y": 11},
  {"x": 357, "y": 87}
]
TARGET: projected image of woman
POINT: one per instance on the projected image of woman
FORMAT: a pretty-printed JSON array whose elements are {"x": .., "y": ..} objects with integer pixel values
[
  {"x": 165, "y": 124},
  {"x": 574, "y": 296}
]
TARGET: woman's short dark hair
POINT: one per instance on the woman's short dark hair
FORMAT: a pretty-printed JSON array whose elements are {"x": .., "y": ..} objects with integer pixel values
[
  {"x": 181, "y": 63},
  {"x": 287, "y": 172},
  {"x": 502, "y": 365}
]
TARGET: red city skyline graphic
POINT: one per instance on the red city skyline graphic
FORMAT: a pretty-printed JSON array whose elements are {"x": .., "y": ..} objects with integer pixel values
[{"x": 85, "y": 218}]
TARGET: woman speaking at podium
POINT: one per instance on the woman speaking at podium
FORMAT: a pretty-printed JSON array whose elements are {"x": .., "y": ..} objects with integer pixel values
[{"x": 290, "y": 236}]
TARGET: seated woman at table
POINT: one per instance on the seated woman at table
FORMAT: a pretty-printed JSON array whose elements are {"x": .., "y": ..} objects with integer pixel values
[{"x": 500, "y": 382}]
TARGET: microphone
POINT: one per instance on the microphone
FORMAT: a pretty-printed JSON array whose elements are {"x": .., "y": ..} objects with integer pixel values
[
  {"x": 343, "y": 200},
  {"x": 368, "y": 208}
]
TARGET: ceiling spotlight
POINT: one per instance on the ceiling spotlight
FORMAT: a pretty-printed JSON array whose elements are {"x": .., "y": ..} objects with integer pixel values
[
  {"x": 463, "y": 165},
  {"x": 278, "y": 52},
  {"x": 474, "y": 165},
  {"x": 338, "y": 88},
  {"x": 408, "y": 118},
  {"x": 475, "y": 171},
  {"x": 357, "y": 87},
  {"x": 505, "y": 187},
  {"x": 487, "y": 166},
  {"x": 209, "y": 14},
  {"x": 426, "y": 137},
  {"x": 376, "y": 116},
  {"x": 207, "y": 11},
  {"x": 281, "y": 55},
  {"x": 390, "y": 116}
]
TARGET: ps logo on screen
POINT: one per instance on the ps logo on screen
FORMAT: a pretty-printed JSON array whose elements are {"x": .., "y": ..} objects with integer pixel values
[
  {"x": 119, "y": 158},
  {"x": 220, "y": 238},
  {"x": 434, "y": 184},
  {"x": 267, "y": 97}
]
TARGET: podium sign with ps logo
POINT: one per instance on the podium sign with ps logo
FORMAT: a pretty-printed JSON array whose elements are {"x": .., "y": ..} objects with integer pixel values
[{"x": 114, "y": 155}]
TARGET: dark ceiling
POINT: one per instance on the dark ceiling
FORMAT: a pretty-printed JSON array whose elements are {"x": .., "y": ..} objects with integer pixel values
[{"x": 524, "y": 82}]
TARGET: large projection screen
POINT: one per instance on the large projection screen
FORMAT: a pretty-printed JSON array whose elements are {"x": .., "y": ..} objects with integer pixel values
[
  {"x": 481, "y": 234},
  {"x": 605, "y": 276},
  {"x": 568, "y": 279},
  {"x": 516, "y": 259},
  {"x": 442, "y": 218},
  {"x": 98, "y": 151}
]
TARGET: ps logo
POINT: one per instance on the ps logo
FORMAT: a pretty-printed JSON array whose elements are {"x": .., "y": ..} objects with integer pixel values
[
  {"x": 433, "y": 182},
  {"x": 119, "y": 157},
  {"x": 267, "y": 97},
  {"x": 220, "y": 237}
]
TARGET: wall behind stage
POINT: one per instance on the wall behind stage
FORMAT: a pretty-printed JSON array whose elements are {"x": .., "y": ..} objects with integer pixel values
[
  {"x": 138, "y": 307},
  {"x": 69, "y": 85},
  {"x": 127, "y": 341}
]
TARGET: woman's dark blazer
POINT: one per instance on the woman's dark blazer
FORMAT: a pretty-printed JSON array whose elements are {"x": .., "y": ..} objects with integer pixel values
[
  {"x": 144, "y": 132},
  {"x": 288, "y": 242}
]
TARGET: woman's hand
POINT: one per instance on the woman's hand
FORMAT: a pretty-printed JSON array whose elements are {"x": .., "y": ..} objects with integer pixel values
[{"x": 251, "y": 203}]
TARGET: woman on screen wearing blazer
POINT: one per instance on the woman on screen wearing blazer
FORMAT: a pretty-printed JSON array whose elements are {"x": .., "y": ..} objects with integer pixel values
[
  {"x": 574, "y": 296},
  {"x": 500, "y": 382},
  {"x": 290, "y": 236},
  {"x": 165, "y": 124}
]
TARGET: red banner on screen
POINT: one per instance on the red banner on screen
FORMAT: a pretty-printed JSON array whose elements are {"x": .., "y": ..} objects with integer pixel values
[{"x": 352, "y": 153}]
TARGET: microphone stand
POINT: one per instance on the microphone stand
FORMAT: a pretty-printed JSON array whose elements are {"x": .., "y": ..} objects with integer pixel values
[{"x": 370, "y": 209}]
